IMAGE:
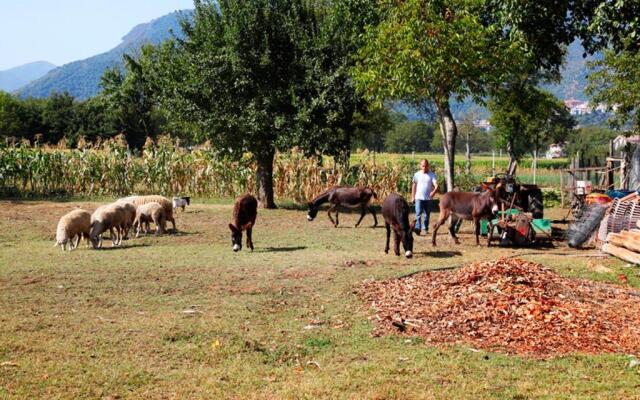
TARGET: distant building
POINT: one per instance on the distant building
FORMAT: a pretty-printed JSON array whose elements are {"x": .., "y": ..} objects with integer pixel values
[
  {"x": 483, "y": 124},
  {"x": 556, "y": 150},
  {"x": 578, "y": 107}
]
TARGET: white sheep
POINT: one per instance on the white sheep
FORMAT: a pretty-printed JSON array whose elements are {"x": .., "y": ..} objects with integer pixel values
[
  {"x": 150, "y": 212},
  {"x": 163, "y": 201},
  {"x": 107, "y": 217},
  {"x": 181, "y": 202},
  {"x": 75, "y": 224},
  {"x": 130, "y": 216}
]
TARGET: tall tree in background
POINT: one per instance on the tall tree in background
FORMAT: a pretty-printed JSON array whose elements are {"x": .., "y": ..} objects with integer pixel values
[
  {"x": 235, "y": 78},
  {"x": 58, "y": 116},
  {"x": 616, "y": 83},
  {"x": 129, "y": 99},
  {"x": 264, "y": 75},
  {"x": 433, "y": 50},
  {"x": 20, "y": 118},
  {"x": 331, "y": 113},
  {"x": 613, "y": 26},
  {"x": 524, "y": 118}
]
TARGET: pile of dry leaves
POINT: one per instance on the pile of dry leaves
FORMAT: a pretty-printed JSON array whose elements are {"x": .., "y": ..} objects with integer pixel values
[{"x": 510, "y": 305}]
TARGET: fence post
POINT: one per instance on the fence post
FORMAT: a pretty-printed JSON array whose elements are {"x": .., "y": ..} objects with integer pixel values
[
  {"x": 562, "y": 188},
  {"x": 493, "y": 162},
  {"x": 535, "y": 164}
]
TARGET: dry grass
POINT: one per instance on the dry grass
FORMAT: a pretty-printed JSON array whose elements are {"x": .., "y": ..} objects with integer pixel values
[{"x": 282, "y": 322}]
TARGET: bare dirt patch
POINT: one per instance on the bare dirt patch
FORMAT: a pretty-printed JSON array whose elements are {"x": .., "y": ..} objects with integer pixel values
[{"x": 510, "y": 305}]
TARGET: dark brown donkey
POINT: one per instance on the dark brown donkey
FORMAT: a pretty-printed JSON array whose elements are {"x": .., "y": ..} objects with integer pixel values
[
  {"x": 466, "y": 205},
  {"x": 244, "y": 218},
  {"x": 350, "y": 197},
  {"x": 395, "y": 211}
]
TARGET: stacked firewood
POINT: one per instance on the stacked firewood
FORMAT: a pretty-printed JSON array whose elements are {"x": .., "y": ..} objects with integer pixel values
[{"x": 624, "y": 245}]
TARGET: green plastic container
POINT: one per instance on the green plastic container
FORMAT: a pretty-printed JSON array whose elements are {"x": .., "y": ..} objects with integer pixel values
[{"x": 540, "y": 225}]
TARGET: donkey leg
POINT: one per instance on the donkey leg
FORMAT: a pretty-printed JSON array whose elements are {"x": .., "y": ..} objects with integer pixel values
[
  {"x": 373, "y": 213},
  {"x": 437, "y": 225},
  {"x": 363, "y": 212},
  {"x": 249, "y": 239},
  {"x": 337, "y": 222},
  {"x": 329, "y": 214},
  {"x": 476, "y": 228},
  {"x": 489, "y": 233},
  {"x": 452, "y": 229},
  {"x": 396, "y": 243},
  {"x": 386, "y": 247}
]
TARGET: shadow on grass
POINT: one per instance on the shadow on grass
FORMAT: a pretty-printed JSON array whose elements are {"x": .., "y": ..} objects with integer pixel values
[
  {"x": 184, "y": 233},
  {"x": 440, "y": 254},
  {"x": 280, "y": 249},
  {"x": 128, "y": 246}
]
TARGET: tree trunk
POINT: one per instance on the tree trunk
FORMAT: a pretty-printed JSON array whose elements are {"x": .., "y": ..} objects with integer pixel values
[
  {"x": 264, "y": 181},
  {"x": 513, "y": 160},
  {"x": 467, "y": 166},
  {"x": 449, "y": 131}
]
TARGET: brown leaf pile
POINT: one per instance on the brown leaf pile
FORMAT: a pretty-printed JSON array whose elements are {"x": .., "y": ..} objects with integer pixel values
[{"x": 509, "y": 305}]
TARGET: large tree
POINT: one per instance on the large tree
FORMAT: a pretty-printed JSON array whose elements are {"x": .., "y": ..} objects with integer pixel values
[
  {"x": 434, "y": 51},
  {"x": 264, "y": 75},
  {"x": 525, "y": 118},
  {"x": 616, "y": 83},
  {"x": 129, "y": 100},
  {"x": 235, "y": 77},
  {"x": 331, "y": 113}
]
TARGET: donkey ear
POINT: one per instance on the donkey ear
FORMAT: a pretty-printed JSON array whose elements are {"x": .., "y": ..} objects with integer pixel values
[
  {"x": 233, "y": 228},
  {"x": 247, "y": 225}
]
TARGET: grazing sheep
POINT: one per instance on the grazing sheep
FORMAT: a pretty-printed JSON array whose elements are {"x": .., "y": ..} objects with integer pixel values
[
  {"x": 108, "y": 217},
  {"x": 130, "y": 216},
  {"x": 150, "y": 212},
  {"x": 76, "y": 223},
  {"x": 245, "y": 211},
  {"x": 181, "y": 202},
  {"x": 163, "y": 201}
]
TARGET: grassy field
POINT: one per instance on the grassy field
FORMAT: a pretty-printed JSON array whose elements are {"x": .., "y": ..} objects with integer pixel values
[
  {"x": 547, "y": 174},
  {"x": 182, "y": 316}
]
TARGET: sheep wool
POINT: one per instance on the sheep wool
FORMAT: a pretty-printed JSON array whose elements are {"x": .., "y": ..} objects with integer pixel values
[
  {"x": 107, "y": 217},
  {"x": 150, "y": 212},
  {"x": 166, "y": 204},
  {"x": 76, "y": 223}
]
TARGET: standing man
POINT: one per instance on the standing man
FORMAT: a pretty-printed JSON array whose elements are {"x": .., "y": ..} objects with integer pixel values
[{"x": 425, "y": 185}]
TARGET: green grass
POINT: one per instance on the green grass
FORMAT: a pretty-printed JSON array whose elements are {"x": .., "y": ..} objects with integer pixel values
[
  {"x": 111, "y": 323},
  {"x": 484, "y": 160}
]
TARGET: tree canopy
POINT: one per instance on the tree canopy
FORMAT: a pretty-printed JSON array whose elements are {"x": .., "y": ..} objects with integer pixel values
[{"x": 424, "y": 50}]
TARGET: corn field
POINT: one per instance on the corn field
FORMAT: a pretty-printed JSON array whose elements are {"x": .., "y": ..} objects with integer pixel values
[{"x": 112, "y": 169}]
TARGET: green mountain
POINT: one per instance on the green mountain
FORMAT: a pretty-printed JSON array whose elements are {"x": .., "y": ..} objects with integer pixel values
[
  {"x": 14, "y": 78},
  {"x": 82, "y": 78},
  {"x": 574, "y": 74}
]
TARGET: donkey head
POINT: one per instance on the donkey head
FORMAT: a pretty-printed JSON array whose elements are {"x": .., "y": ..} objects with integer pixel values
[
  {"x": 312, "y": 212},
  {"x": 236, "y": 237},
  {"x": 407, "y": 240},
  {"x": 491, "y": 196}
]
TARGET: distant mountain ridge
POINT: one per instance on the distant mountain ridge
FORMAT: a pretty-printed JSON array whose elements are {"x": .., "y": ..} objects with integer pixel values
[
  {"x": 572, "y": 85},
  {"x": 16, "y": 77},
  {"x": 82, "y": 78}
]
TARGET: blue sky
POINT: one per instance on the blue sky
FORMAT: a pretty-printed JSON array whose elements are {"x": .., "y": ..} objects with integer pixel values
[{"x": 61, "y": 31}]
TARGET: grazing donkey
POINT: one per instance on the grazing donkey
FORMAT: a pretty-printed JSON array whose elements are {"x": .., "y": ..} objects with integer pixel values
[
  {"x": 467, "y": 205},
  {"x": 350, "y": 197},
  {"x": 395, "y": 211},
  {"x": 244, "y": 218}
]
